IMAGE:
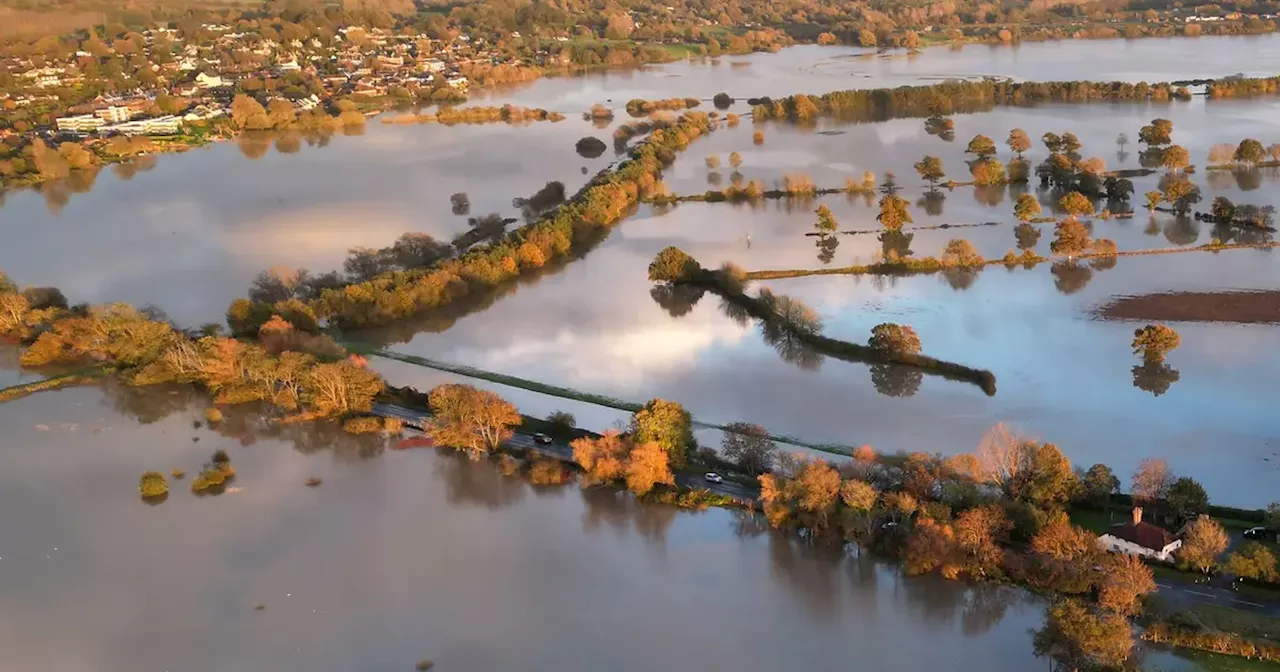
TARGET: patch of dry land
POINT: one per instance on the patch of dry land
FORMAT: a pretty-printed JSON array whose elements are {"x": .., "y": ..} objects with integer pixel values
[{"x": 1245, "y": 307}]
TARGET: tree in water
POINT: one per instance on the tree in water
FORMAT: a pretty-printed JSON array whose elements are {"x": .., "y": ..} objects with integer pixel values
[
  {"x": 1018, "y": 141},
  {"x": 1154, "y": 341},
  {"x": 930, "y": 170},
  {"x": 1026, "y": 208}
]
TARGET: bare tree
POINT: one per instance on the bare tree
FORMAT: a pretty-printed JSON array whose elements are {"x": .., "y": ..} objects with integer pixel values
[
  {"x": 1151, "y": 480},
  {"x": 1001, "y": 454},
  {"x": 749, "y": 446}
]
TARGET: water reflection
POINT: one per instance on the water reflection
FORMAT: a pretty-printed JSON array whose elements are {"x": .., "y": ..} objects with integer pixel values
[
  {"x": 677, "y": 300},
  {"x": 895, "y": 244},
  {"x": 827, "y": 248},
  {"x": 960, "y": 278},
  {"x": 1182, "y": 230},
  {"x": 1154, "y": 377},
  {"x": 477, "y": 483},
  {"x": 620, "y": 512},
  {"x": 893, "y": 380},
  {"x": 1070, "y": 277},
  {"x": 932, "y": 202}
]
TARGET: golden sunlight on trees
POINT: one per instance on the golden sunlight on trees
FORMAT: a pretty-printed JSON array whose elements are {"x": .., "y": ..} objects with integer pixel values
[
  {"x": 1154, "y": 341},
  {"x": 1203, "y": 541},
  {"x": 469, "y": 419},
  {"x": 667, "y": 424}
]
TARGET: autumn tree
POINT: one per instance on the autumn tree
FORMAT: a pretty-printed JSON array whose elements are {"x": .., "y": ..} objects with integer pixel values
[
  {"x": 1180, "y": 192},
  {"x": 1153, "y": 199},
  {"x": 1026, "y": 208},
  {"x": 826, "y": 224},
  {"x": 667, "y": 424},
  {"x": 1203, "y": 541},
  {"x": 987, "y": 172},
  {"x": 1156, "y": 134},
  {"x": 469, "y": 419},
  {"x": 1070, "y": 238},
  {"x": 895, "y": 338},
  {"x": 1018, "y": 141},
  {"x": 930, "y": 170},
  {"x": 1125, "y": 580},
  {"x": 1044, "y": 478},
  {"x": 1250, "y": 151},
  {"x": 1075, "y": 204},
  {"x": 1186, "y": 497},
  {"x": 1253, "y": 561},
  {"x": 1154, "y": 341},
  {"x": 248, "y": 113},
  {"x": 1175, "y": 158},
  {"x": 962, "y": 253},
  {"x": 603, "y": 458},
  {"x": 673, "y": 265},
  {"x": 893, "y": 212},
  {"x": 1081, "y": 639},
  {"x": 1052, "y": 142},
  {"x": 749, "y": 446},
  {"x": 647, "y": 466},
  {"x": 981, "y": 146}
]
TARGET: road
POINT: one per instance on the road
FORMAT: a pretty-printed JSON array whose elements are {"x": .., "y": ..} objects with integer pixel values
[
  {"x": 417, "y": 420},
  {"x": 1188, "y": 594}
]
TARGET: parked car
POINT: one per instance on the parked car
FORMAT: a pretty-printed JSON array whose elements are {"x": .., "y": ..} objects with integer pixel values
[
  {"x": 542, "y": 438},
  {"x": 1260, "y": 533},
  {"x": 713, "y": 477}
]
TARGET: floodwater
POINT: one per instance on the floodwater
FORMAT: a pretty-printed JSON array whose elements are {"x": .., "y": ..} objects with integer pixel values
[{"x": 405, "y": 555}]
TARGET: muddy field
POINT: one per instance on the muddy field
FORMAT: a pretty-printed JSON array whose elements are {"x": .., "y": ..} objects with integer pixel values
[{"x": 1252, "y": 307}]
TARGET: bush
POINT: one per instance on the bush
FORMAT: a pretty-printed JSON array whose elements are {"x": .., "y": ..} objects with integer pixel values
[
  {"x": 212, "y": 415},
  {"x": 367, "y": 424},
  {"x": 153, "y": 484},
  {"x": 590, "y": 147}
]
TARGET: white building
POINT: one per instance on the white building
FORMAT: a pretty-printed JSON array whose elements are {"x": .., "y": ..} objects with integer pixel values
[
  {"x": 166, "y": 125},
  {"x": 114, "y": 114},
  {"x": 1141, "y": 539},
  {"x": 206, "y": 82},
  {"x": 82, "y": 123}
]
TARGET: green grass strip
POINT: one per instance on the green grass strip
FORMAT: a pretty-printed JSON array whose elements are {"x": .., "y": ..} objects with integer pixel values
[{"x": 566, "y": 393}]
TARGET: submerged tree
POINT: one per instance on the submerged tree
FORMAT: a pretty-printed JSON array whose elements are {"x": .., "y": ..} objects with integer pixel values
[
  {"x": 1154, "y": 341},
  {"x": 930, "y": 170}
]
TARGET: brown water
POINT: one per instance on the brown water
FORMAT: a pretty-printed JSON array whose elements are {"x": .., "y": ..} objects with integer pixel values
[{"x": 401, "y": 555}]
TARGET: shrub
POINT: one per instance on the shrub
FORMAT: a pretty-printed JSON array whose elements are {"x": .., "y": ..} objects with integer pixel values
[
  {"x": 960, "y": 252},
  {"x": 177, "y": 474},
  {"x": 367, "y": 424},
  {"x": 758, "y": 137},
  {"x": 153, "y": 484},
  {"x": 212, "y": 415}
]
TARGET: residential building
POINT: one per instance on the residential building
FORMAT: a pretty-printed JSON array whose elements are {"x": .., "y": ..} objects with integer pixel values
[
  {"x": 433, "y": 65},
  {"x": 206, "y": 82},
  {"x": 1141, "y": 538},
  {"x": 81, "y": 123},
  {"x": 166, "y": 125},
  {"x": 114, "y": 114}
]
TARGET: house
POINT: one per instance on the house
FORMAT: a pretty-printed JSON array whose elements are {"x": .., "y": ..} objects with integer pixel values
[
  {"x": 206, "y": 82},
  {"x": 1141, "y": 539},
  {"x": 433, "y": 65}
]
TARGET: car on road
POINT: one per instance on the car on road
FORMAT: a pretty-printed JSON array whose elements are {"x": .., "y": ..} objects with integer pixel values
[
  {"x": 542, "y": 438},
  {"x": 713, "y": 477},
  {"x": 1260, "y": 533}
]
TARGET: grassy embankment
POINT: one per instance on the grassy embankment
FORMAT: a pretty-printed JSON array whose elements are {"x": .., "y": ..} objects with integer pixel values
[
  {"x": 82, "y": 377},
  {"x": 932, "y": 265},
  {"x": 568, "y": 393}
]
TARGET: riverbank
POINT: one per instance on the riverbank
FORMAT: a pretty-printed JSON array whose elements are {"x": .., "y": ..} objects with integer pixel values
[
  {"x": 1240, "y": 307},
  {"x": 87, "y": 376}
]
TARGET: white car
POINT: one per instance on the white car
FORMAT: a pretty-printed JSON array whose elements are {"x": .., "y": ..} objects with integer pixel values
[
  {"x": 713, "y": 477},
  {"x": 542, "y": 438}
]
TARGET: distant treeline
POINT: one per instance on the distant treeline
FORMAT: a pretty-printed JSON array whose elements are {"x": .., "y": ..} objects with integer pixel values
[{"x": 954, "y": 97}]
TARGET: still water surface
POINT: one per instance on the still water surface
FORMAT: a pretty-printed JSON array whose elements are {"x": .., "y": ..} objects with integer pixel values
[{"x": 401, "y": 555}]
